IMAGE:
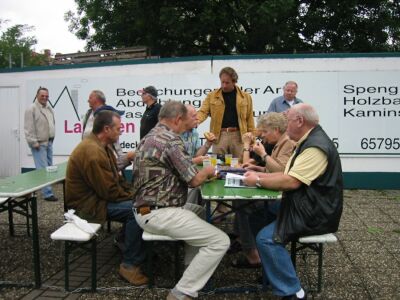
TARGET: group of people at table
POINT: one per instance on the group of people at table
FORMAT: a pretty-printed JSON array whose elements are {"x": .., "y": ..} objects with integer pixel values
[{"x": 295, "y": 156}]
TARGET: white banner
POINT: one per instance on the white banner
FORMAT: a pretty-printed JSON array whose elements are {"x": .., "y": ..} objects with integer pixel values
[{"x": 360, "y": 111}]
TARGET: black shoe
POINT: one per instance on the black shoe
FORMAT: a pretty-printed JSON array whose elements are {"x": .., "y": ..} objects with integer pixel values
[
  {"x": 294, "y": 297},
  {"x": 51, "y": 199}
]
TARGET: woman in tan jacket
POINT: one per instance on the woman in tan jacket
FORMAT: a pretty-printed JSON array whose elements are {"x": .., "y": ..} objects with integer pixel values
[{"x": 271, "y": 127}]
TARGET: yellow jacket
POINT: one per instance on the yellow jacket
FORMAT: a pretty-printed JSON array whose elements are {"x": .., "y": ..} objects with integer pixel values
[{"x": 214, "y": 106}]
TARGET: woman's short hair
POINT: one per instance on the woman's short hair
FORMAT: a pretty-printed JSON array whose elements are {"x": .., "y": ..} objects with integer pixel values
[{"x": 273, "y": 120}]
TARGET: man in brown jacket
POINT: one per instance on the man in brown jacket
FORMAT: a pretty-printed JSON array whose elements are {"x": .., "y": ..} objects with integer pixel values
[{"x": 98, "y": 192}]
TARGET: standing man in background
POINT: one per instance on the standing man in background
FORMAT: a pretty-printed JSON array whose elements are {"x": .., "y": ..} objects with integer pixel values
[
  {"x": 231, "y": 112},
  {"x": 40, "y": 130},
  {"x": 150, "y": 115},
  {"x": 97, "y": 103},
  {"x": 287, "y": 100},
  {"x": 96, "y": 99},
  {"x": 282, "y": 104}
]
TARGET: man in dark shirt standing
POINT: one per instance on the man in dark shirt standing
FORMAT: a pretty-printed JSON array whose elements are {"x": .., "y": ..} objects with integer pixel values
[
  {"x": 231, "y": 112},
  {"x": 150, "y": 115}
]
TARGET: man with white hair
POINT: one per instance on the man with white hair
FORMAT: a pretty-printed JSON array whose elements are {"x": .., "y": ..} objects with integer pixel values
[
  {"x": 287, "y": 100},
  {"x": 312, "y": 198}
]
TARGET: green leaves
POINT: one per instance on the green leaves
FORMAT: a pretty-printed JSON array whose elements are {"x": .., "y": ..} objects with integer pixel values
[
  {"x": 214, "y": 27},
  {"x": 15, "y": 42}
]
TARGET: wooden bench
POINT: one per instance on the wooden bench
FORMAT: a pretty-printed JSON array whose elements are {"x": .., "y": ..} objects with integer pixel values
[
  {"x": 74, "y": 238},
  {"x": 316, "y": 244}
]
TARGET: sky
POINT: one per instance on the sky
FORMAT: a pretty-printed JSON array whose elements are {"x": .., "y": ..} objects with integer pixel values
[{"x": 47, "y": 16}]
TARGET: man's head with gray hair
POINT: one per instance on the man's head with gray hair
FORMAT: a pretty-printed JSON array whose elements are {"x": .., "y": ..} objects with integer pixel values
[
  {"x": 174, "y": 115},
  {"x": 307, "y": 112},
  {"x": 172, "y": 109},
  {"x": 290, "y": 90},
  {"x": 100, "y": 95},
  {"x": 96, "y": 99},
  {"x": 301, "y": 118}
]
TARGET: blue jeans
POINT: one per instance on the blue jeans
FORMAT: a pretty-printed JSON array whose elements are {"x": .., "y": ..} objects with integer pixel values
[
  {"x": 276, "y": 261},
  {"x": 43, "y": 157},
  {"x": 122, "y": 212}
]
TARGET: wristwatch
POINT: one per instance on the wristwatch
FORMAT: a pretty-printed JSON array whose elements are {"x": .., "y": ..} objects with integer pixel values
[
  {"x": 246, "y": 149},
  {"x": 258, "y": 184}
]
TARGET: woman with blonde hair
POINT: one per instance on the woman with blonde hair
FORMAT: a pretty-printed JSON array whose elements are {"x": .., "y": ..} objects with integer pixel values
[{"x": 271, "y": 128}]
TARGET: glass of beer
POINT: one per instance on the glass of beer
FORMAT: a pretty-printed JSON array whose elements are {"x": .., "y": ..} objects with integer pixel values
[
  {"x": 213, "y": 158},
  {"x": 206, "y": 162},
  {"x": 228, "y": 158},
  {"x": 234, "y": 162}
]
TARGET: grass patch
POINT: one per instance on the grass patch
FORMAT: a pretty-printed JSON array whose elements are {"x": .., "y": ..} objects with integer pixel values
[
  {"x": 375, "y": 230},
  {"x": 396, "y": 231}
]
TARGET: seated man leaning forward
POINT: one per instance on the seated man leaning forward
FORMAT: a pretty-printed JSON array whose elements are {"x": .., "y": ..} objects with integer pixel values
[
  {"x": 98, "y": 192},
  {"x": 163, "y": 171},
  {"x": 312, "y": 199}
]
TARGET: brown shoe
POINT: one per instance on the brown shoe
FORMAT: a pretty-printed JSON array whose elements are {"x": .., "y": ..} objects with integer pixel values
[
  {"x": 133, "y": 275},
  {"x": 172, "y": 297}
]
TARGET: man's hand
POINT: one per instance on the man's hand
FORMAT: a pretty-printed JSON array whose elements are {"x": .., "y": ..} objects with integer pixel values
[
  {"x": 210, "y": 137},
  {"x": 250, "y": 178},
  {"x": 36, "y": 146},
  {"x": 130, "y": 155},
  {"x": 199, "y": 159},
  {"x": 254, "y": 168},
  {"x": 210, "y": 171}
]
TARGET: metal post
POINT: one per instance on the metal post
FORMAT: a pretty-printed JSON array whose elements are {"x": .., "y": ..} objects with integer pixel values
[
  {"x": 9, "y": 61},
  {"x": 22, "y": 60},
  {"x": 35, "y": 242},
  {"x": 66, "y": 266}
]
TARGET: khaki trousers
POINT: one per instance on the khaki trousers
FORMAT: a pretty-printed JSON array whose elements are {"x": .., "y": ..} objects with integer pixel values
[
  {"x": 229, "y": 143},
  {"x": 206, "y": 243}
]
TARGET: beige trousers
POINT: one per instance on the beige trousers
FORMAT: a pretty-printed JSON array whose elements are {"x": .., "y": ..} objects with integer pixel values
[
  {"x": 229, "y": 143},
  {"x": 206, "y": 243}
]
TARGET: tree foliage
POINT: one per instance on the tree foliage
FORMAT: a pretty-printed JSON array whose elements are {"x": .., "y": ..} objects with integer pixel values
[
  {"x": 14, "y": 42},
  {"x": 193, "y": 27}
]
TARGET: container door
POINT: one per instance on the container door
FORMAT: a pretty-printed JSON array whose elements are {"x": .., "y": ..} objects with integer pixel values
[{"x": 9, "y": 131}]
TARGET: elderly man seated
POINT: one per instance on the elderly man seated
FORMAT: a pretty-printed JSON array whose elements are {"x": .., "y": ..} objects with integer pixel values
[
  {"x": 312, "y": 198},
  {"x": 163, "y": 171},
  {"x": 97, "y": 191}
]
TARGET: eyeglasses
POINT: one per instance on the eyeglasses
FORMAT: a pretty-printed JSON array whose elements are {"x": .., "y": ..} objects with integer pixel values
[{"x": 293, "y": 119}]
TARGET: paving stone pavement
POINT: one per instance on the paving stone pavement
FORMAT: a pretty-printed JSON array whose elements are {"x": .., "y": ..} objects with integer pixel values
[{"x": 363, "y": 264}]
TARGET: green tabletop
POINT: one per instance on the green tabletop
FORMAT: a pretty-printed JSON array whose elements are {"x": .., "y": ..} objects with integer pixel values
[
  {"x": 23, "y": 184},
  {"x": 215, "y": 190}
]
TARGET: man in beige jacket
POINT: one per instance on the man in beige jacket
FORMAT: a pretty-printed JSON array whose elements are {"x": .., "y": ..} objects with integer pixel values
[{"x": 39, "y": 133}]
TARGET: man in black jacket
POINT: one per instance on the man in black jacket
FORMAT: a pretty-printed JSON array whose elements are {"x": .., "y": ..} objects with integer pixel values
[{"x": 311, "y": 203}]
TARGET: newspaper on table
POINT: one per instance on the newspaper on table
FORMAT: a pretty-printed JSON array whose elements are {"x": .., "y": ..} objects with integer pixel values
[
  {"x": 80, "y": 223},
  {"x": 235, "y": 180}
]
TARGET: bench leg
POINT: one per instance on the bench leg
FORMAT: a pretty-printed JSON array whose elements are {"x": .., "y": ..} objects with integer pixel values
[
  {"x": 10, "y": 219},
  {"x": 176, "y": 246},
  {"x": 320, "y": 258},
  {"x": 293, "y": 253},
  {"x": 149, "y": 250},
  {"x": 94, "y": 264},
  {"x": 66, "y": 265}
]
